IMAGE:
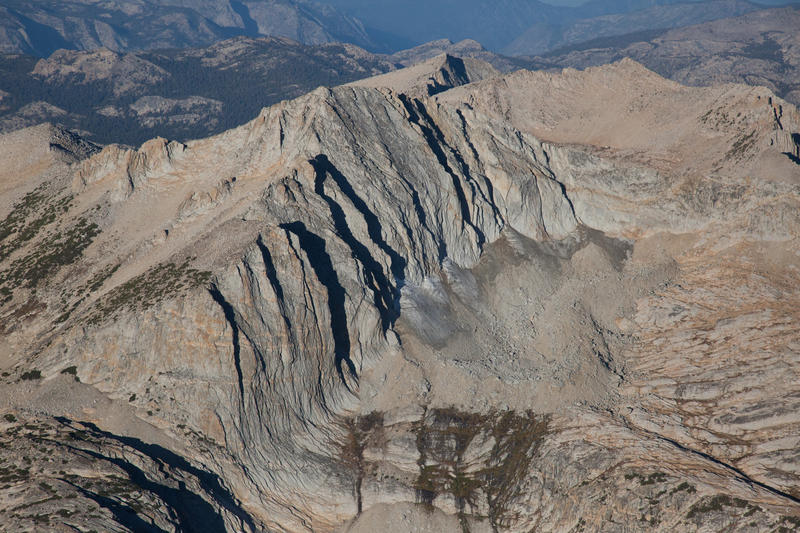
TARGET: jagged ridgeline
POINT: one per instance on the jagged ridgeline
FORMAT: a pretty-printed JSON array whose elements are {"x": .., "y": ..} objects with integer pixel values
[
  {"x": 492, "y": 309},
  {"x": 181, "y": 94}
]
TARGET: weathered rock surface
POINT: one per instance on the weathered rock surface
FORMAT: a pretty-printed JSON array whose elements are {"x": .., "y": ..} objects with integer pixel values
[
  {"x": 550, "y": 302},
  {"x": 433, "y": 76}
]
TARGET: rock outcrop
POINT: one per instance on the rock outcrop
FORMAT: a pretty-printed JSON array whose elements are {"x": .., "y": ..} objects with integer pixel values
[
  {"x": 536, "y": 302},
  {"x": 433, "y": 76}
]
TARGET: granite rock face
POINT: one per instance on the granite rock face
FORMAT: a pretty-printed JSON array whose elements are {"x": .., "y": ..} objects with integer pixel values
[
  {"x": 501, "y": 308},
  {"x": 427, "y": 78}
]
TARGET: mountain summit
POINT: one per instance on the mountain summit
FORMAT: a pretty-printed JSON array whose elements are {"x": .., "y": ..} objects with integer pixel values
[{"x": 552, "y": 302}]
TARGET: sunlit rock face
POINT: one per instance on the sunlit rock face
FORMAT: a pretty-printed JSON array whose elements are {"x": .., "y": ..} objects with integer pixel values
[{"x": 535, "y": 302}]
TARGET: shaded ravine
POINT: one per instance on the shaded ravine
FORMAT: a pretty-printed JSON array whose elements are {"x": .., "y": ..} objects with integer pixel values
[
  {"x": 314, "y": 247},
  {"x": 193, "y": 512},
  {"x": 230, "y": 317}
]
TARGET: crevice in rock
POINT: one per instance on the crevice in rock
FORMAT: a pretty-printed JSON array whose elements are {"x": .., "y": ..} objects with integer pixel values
[
  {"x": 386, "y": 295},
  {"x": 465, "y": 170},
  {"x": 272, "y": 275},
  {"x": 319, "y": 259},
  {"x": 193, "y": 512},
  {"x": 419, "y": 117},
  {"x": 323, "y": 165},
  {"x": 123, "y": 514},
  {"x": 567, "y": 198},
  {"x": 739, "y": 473},
  {"x": 230, "y": 316},
  {"x": 487, "y": 181}
]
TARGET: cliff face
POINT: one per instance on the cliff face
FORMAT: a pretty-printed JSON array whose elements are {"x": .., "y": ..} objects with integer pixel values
[{"x": 490, "y": 310}]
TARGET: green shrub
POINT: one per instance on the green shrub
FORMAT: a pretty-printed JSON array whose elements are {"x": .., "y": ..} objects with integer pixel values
[{"x": 31, "y": 375}]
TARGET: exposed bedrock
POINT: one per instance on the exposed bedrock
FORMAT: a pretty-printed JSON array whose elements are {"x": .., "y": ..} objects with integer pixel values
[{"x": 363, "y": 305}]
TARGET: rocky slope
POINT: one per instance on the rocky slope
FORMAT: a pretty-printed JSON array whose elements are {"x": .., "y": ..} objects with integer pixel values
[
  {"x": 759, "y": 48},
  {"x": 550, "y": 302},
  {"x": 431, "y": 77}
]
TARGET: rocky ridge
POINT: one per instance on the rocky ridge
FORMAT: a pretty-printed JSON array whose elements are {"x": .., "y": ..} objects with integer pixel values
[
  {"x": 480, "y": 310},
  {"x": 191, "y": 93},
  {"x": 433, "y": 76}
]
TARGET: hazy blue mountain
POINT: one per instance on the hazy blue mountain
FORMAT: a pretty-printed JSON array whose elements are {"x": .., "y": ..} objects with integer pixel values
[
  {"x": 543, "y": 37},
  {"x": 494, "y": 23},
  {"x": 39, "y": 27},
  {"x": 519, "y": 27}
]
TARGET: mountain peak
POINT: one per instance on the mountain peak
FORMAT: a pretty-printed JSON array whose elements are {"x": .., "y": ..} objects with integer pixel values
[
  {"x": 359, "y": 297},
  {"x": 438, "y": 74}
]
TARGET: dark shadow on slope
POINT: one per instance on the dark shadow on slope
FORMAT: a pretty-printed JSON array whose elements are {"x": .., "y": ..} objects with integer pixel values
[
  {"x": 272, "y": 275},
  {"x": 455, "y": 76},
  {"x": 123, "y": 514},
  {"x": 487, "y": 182},
  {"x": 44, "y": 39},
  {"x": 269, "y": 268},
  {"x": 194, "y": 513},
  {"x": 795, "y": 157},
  {"x": 208, "y": 481},
  {"x": 385, "y": 295},
  {"x": 465, "y": 170},
  {"x": 323, "y": 166},
  {"x": 230, "y": 317},
  {"x": 250, "y": 25},
  {"x": 314, "y": 247},
  {"x": 434, "y": 139}
]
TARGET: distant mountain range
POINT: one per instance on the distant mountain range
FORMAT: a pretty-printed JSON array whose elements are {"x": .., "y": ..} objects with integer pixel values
[
  {"x": 40, "y": 27},
  {"x": 189, "y": 93},
  {"x": 759, "y": 48},
  {"x": 528, "y": 26},
  {"x": 182, "y": 93},
  {"x": 513, "y": 27},
  {"x": 543, "y": 37}
]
